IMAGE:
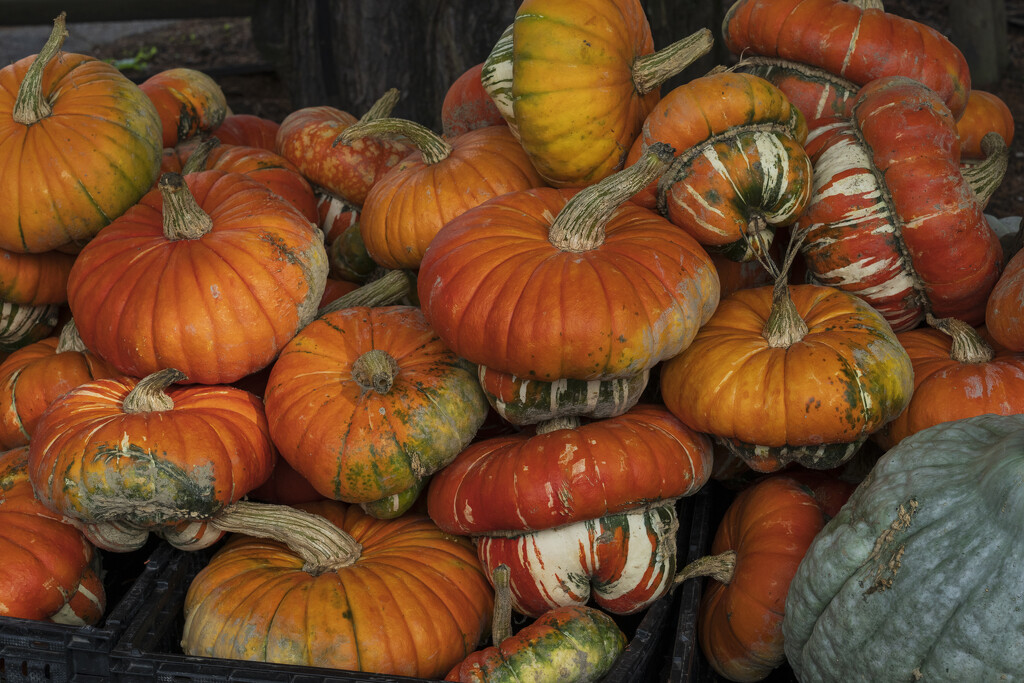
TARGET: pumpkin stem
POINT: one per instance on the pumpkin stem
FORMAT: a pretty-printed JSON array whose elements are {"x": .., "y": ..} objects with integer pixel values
[
  {"x": 984, "y": 177},
  {"x": 784, "y": 326},
  {"x": 148, "y": 396},
  {"x": 650, "y": 71},
  {"x": 69, "y": 340},
  {"x": 30, "y": 106},
  {"x": 383, "y": 107},
  {"x": 718, "y": 567},
  {"x": 197, "y": 160},
  {"x": 556, "y": 423},
  {"x": 968, "y": 345},
  {"x": 322, "y": 546},
  {"x": 432, "y": 146},
  {"x": 385, "y": 290},
  {"x": 184, "y": 219},
  {"x": 501, "y": 620},
  {"x": 580, "y": 225},
  {"x": 375, "y": 369},
  {"x": 868, "y": 4}
]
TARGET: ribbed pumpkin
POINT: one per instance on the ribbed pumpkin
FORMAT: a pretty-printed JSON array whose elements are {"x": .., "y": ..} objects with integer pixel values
[
  {"x": 790, "y": 373},
  {"x": 50, "y": 571},
  {"x": 467, "y": 106},
  {"x": 366, "y": 402},
  {"x": 410, "y": 203},
  {"x": 81, "y": 144},
  {"x": 335, "y": 215},
  {"x": 34, "y": 376},
  {"x": 550, "y": 284},
  {"x": 394, "y": 597},
  {"x": 307, "y": 139},
  {"x": 892, "y": 218},
  {"x": 740, "y": 168},
  {"x": 240, "y": 272},
  {"x": 247, "y": 130},
  {"x": 985, "y": 113},
  {"x": 22, "y": 324},
  {"x": 1003, "y": 310},
  {"x": 581, "y": 78},
  {"x": 188, "y": 101},
  {"x": 125, "y": 457},
  {"x": 572, "y": 644},
  {"x": 35, "y": 279},
  {"x": 758, "y": 545},
  {"x": 957, "y": 374},
  {"x": 920, "y": 569},
  {"x": 565, "y": 507},
  {"x": 831, "y": 38}
]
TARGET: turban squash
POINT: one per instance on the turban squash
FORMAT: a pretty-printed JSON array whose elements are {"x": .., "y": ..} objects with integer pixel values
[{"x": 892, "y": 218}]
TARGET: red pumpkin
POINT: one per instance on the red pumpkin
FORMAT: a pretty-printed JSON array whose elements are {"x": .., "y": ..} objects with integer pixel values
[
  {"x": 247, "y": 130},
  {"x": 1003, "y": 310},
  {"x": 125, "y": 457},
  {"x": 467, "y": 106},
  {"x": 85, "y": 141},
  {"x": 188, "y": 101},
  {"x": 50, "y": 571},
  {"x": 241, "y": 271}
]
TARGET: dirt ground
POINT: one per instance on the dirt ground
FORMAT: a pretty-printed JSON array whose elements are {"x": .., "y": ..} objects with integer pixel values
[{"x": 225, "y": 49}]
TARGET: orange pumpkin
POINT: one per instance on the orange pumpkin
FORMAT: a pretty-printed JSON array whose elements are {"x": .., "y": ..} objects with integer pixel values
[
  {"x": 467, "y": 106},
  {"x": 985, "y": 113},
  {"x": 81, "y": 145},
  {"x": 241, "y": 271},
  {"x": 1003, "y": 310},
  {"x": 188, "y": 101},
  {"x": 247, "y": 130},
  {"x": 35, "y": 279}
]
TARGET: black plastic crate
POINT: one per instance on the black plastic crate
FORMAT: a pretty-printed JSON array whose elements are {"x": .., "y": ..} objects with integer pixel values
[
  {"x": 150, "y": 647},
  {"x": 40, "y": 651}
]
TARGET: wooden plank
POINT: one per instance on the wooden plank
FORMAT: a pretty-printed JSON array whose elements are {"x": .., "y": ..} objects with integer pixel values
[{"x": 35, "y": 12}]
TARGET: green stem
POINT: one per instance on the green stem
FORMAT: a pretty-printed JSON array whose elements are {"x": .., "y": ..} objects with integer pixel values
[
  {"x": 968, "y": 346},
  {"x": 376, "y": 370},
  {"x": 322, "y": 546},
  {"x": 30, "y": 106},
  {"x": 650, "y": 71},
  {"x": 580, "y": 225},
  {"x": 432, "y": 146},
  {"x": 380, "y": 292},
  {"x": 200, "y": 155},
  {"x": 184, "y": 219},
  {"x": 149, "y": 396},
  {"x": 383, "y": 107}
]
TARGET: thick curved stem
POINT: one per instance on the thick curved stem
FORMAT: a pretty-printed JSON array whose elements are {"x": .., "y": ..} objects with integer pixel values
[
  {"x": 985, "y": 177},
  {"x": 383, "y": 291},
  {"x": 501, "y": 620},
  {"x": 375, "y": 370},
  {"x": 148, "y": 396},
  {"x": 432, "y": 146},
  {"x": 580, "y": 225},
  {"x": 322, "y": 546},
  {"x": 197, "y": 160},
  {"x": 30, "y": 106},
  {"x": 968, "y": 346},
  {"x": 868, "y": 4},
  {"x": 718, "y": 567},
  {"x": 184, "y": 219},
  {"x": 382, "y": 108},
  {"x": 650, "y": 71}
]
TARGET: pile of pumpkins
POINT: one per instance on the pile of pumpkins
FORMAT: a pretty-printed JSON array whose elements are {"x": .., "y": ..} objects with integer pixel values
[{"x": 424, "y": 380}]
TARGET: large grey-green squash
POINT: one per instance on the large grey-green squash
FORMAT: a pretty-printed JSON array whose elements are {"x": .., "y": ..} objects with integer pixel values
[{"x": 921, "y": 574}]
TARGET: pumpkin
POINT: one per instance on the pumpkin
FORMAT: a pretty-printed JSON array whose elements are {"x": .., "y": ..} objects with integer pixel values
[
  {"x": 856, "y": 43},
  {"x": 241, "y": 271},
  {"x": 50, "y": 571},
  {"x": 307, "y": 139},
  {"x": 577, "y": 510},
  {"x": 572, "y": 643},
  {"x": 584, "y": 76},
  {"x": 985, "y": 113},
  {"x": 527, "y": 401},
  {"x": 34, "y": 279},
  {"x": 919, "y": 569},
  {"x": 892, "y": 219},
  {"x": 21, "y": 325},
  {"x": 285, "y": 486},
  {"x": 957, "y": 374},
  {"x": 467, "y": 106},
  {"x": 125, "y": 457},
  {"x": 85, "y": 141},
  {"x": 335, "y": 215},
  {"x": 188, "y": 101},
  {"x": 552, "y": 284},
  {"x": 787, "y": 373},
  {"x": 393, "y": 597},
  {"x": 348, "y": 256},
  {"x": 32, "y": 377},
  {"x": 267, "y": 167},
  {"x": 1003, "y": 309},
  {"x": 740, "y": 168},
  {"x": 757, "y": 547},
  {"x": 247, "y": 130},
  {"x": 406, "y": 207},
  {"x": 367, "y": 402}
]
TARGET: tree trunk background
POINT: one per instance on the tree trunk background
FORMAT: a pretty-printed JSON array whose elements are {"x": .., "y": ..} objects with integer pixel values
[{"x": 346, "y": 53}]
